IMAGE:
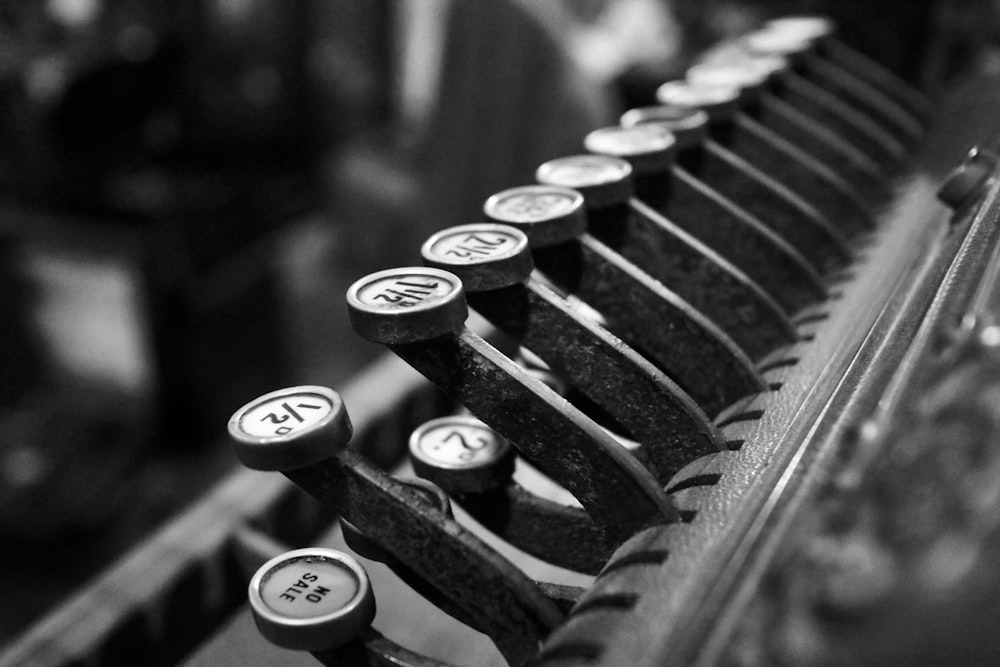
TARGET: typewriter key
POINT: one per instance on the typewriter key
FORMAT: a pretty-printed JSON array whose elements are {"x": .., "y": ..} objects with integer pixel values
[
  {"x": 482, "y": 483},
  {"x": 549, "y": 432},
  {"x": 452, "y": 567},
  {"x": 404, "y": 306},
  {"x": 847, "y": 139},
  {"x": 601, "y": 181},
  {"x": 816, "y": 99},
  {"x": 806, "y": 28},
  {"x": 735, "y": 136},
  {"x": 718, "y": 101},
  {"x": 871, "y": 101},
  {"x": 702, "y": 212},
  {"x": 290, "y": 428},
  {"x": 771, "y": 202},
  {"x": 822, "y": 31},
  {"x": 311, "y": 599},
  {"x": 807, "y": 131},
  {"x": 619, "y": 381},
  {"x": 639, "y": 309},
  {"x": 461, "y": 455},
  {"x": 547, "y": 215}
]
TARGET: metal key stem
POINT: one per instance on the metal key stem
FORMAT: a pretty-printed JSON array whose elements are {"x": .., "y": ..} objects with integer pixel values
[
  {"x": 475, "y": 466},
  {"x": 774, "y": 204},
  {"x": 419, "y": 313},
  {"x": 304, "y": 431},
  {"x": 782, "y": 160},
  {"x": 642, "y": 311},
  {"x": 758, "y": 101},
  {"x": 806, "y": 60},
  {"x": 494, "y": 264}
]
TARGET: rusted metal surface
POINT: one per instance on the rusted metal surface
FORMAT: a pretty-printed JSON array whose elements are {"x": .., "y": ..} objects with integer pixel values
[
  {"x": 694, "y": 205},
  {"x": 774, "y": 203},
  {"x": 652, "y": 408},
  {"x": 754, "y": 248},
  {"x": 291, "y": 429},
  {"x": 639, "y": 309},
  {"x": 475, "y": 465},
  {"x": 654, "y": 320},
  {"x": 677, "y": 554},
  {"x": 619, "y": 494}
]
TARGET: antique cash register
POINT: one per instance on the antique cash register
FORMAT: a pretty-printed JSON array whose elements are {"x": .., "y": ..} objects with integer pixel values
[{"x": 719, "y": 388}]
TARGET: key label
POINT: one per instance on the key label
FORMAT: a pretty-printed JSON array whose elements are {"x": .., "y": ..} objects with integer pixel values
[
  {"x": 532, "y": 204},
  {"x": 404, "y": 291},
  {"x": 459, "y": 444},
  {"x": 627, "y": 141},
  {"x": 312, "y": 599},
  {"x": 578, "y": 171},
  {"x": 309, "y": 587},
  {"x": 485, "y": 244},
  {"x": 284, "y": 415}
]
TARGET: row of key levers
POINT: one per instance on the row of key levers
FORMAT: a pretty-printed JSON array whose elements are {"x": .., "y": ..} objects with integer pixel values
[{"x": 653, "y": 295}]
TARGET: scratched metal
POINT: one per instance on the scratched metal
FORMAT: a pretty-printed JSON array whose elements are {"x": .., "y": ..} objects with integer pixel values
[
  {"x": 492, "y": 594},
  {"x": 619, "y": 494},
  {"x": 653, "y": 409},
  {"x": 742, "y": 239},
  {"x": 800, "y": 223},
  {"x": 558, "y": 534},
  {"x": 815, "y": 181},
  {"x": 695, "y": 272},
  {"x": 848, "y": 122},
  {"x": 823, "y": 144},
  {"x": 554, "y": 532},
  {"x": 654, "y": 320}
]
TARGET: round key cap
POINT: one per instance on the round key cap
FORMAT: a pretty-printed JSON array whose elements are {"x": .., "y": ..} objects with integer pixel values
[
  {"x": 719, "y": 101},
  {"x": 776, "y": 43},
  {"x": 548, "y": 215},
  {"x": 485, "y": 256},
  {"x": 603, "y": 180},
  {"x": 748, "y": 74},
  {"x": 462, "y": 454},
  {"x": 407, "y": 305},
  {"x": 689, "y": 125},
  {"x": 810, "y": 28},
  {"x": 648, "y": 150},
  {"x": 311, "y": 599},
  {"x": 290, "y": 428}
]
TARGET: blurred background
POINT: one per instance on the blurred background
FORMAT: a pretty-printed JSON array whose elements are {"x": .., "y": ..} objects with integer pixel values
[{"x": 188, "y": 187}]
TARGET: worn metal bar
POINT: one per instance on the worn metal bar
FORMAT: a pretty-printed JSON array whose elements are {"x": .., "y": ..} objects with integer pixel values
[
  {"x": 494, "y": 263},
  {"x": 689, "y": 203},
  {"x": 782, "y": 160},
  {"x": 419, "y": 313},
  {"x": 666, "y": 253},
  {"x": 642, "y": 311},
  {"x": 304, "y": 432},
  {"x": 475, "y": 466},
  {"x": 797, "y": 221},
  {"x": 758, "y": 98}
]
